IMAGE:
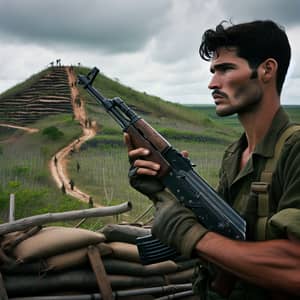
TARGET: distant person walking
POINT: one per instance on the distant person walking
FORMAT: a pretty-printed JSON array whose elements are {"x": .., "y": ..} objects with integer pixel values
[
  {"x": 91, "y": 202},
  {"x": 72, "y": 184},
  {"x": 63, "y": 189}
]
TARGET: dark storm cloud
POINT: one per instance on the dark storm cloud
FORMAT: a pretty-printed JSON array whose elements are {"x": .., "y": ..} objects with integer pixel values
[
  {"x": 285, "y": 12},
  {"x": 151, "y": 45},
  {"x": 114, "y": 26}
]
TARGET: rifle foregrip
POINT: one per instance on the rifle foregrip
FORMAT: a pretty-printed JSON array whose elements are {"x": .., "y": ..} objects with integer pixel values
[
  {"x": 150, "y": 134},
  {"x": 139, "y": 137}
]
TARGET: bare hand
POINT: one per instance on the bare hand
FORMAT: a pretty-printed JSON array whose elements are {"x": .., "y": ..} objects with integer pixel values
[
  {"x": 136, "y": 156},
  {"x": 145, "y": 167}
]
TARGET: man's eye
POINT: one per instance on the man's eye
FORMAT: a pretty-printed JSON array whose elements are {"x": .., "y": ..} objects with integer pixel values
[{"x": 225, "y": 69}]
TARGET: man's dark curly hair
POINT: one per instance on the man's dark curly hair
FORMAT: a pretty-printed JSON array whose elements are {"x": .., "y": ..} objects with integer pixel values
[{"x": 254, "y": 41}]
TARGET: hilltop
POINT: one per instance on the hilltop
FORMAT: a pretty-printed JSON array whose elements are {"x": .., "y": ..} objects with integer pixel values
[
  {"x": 49, "y": 92},
  {"x": 44, "y": 94}
]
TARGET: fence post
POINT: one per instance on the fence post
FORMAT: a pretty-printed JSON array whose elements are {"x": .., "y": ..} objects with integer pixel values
[{"x": 11, "y": 208}]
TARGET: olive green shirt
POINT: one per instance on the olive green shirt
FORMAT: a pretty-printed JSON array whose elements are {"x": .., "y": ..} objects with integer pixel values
[{"x": 284, "y": 194}]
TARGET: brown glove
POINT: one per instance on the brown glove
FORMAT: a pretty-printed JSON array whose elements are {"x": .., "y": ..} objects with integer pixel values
[
  {"x": 176, "y": 225},
  {"x": 147, "y": 185}
]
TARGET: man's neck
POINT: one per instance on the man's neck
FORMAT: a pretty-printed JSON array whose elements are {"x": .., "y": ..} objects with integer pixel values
[{"x": 256, "y": 124}]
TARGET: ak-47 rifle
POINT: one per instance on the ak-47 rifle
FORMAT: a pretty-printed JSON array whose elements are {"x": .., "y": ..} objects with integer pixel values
[{"x": 176, "y": 173}]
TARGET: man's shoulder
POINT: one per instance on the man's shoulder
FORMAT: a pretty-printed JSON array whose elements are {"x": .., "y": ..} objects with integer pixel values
[
  {"x": 295, "y": 136},
  {"x": 292, "y": 142}
]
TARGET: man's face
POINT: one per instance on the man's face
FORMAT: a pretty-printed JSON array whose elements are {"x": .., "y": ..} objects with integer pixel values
[{"x": 234, "y": 87}]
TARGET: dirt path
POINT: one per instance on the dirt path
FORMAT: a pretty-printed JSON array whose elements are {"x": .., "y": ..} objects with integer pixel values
[
  {"x": 28, "y": 129},
  {"x": 58, "y": 163},
  {"x": 14, "y": 138}
]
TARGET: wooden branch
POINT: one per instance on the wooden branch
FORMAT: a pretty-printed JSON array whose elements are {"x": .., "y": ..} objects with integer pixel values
[{"x": 25, "y": 223}]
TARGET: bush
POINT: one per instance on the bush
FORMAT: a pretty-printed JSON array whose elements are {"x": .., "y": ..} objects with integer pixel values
[
  {"x": 20, "y": 170},
  {"x": 53, "y": 133}
]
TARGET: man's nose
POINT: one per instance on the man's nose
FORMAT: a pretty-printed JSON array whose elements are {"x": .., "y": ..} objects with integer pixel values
[{"x": 214, "y": 83}]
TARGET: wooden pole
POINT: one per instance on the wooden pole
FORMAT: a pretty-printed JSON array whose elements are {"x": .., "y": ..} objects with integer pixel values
[
  {"x": 100, "y": 273},
  {"x": 25, "y": 223},
  {"x": 11, "y": 217}
]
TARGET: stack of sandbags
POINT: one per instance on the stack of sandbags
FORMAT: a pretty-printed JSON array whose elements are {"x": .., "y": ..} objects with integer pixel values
[{"x": 99, "y": 265}]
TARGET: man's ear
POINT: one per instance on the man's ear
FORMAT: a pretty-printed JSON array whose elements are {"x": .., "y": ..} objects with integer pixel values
[{"x": 268, "y": 69}]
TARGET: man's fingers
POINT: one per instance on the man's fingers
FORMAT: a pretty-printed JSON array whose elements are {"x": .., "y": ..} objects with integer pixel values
[
  {"x": 185, "y": 153},
  {"x": 144, "y": 171},
  {"x": 127, "y": 141},
  {"x": 145, "y": 164},
  {"x": 139, "y": 152},
  {"x": 143, "y": 167},
  {"x": 134, "y": 153},
  {"x": 141, "y": 171}
]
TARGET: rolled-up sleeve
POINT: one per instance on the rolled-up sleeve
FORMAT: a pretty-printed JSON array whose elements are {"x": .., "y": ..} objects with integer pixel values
[
  {"x": 285, "y": 222},
  {"x": 287, "y": 218}
]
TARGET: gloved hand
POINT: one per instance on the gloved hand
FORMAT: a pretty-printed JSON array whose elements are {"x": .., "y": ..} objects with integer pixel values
[
  {"x": 147, "y": 185},
  {"x": 176, "y": 225},
  {"x": 146, "y": 181}
]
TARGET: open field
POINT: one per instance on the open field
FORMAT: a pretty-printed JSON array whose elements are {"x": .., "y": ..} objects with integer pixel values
[{"x": 209, "y": 111}]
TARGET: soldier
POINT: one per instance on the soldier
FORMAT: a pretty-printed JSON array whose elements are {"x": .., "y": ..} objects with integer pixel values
[
  {"x": 248, "y": 63},
  {"x": 71, "y": 182},
  {"x": 63, "y": 189},
  {"x": 91, "y": 203}
]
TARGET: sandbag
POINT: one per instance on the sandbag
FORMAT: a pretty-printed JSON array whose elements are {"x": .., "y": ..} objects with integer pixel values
[
  {"x": 121, "y": 267},
  {"x": 12, "y": 239},
  {"x": 35, "y": 267},
  {"x": 125, "y": 251},
  {"x": 73, "y": 258},
  {"x": 123, "y": 233},
  {"x": 54, "y": 240},
  {"x": 180, "y": 277}
]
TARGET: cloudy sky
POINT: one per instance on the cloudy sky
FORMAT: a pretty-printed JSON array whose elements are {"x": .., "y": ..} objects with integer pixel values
[{"x": 149, "y": 45}]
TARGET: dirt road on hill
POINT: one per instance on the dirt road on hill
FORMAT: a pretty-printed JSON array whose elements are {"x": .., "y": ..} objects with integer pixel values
[{"x": 58, "y": 163}]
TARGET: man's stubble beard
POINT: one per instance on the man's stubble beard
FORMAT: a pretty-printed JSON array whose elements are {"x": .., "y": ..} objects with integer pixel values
[{"x": 248, "y": 99}]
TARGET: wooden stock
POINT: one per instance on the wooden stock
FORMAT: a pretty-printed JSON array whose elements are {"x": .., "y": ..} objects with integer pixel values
[{"x": 143, "y": 135}]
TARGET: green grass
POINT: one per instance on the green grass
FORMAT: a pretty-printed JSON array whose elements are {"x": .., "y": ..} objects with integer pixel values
[
  {"x": 24, "y": 170},
  {"x": 143, "y": 103},
  {"x": 294, "y": 112},
  {"x": 232, "y": 121}
]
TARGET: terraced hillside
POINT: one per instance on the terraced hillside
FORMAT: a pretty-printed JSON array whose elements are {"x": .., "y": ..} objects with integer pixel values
[{"x": 50, "y": 94}]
